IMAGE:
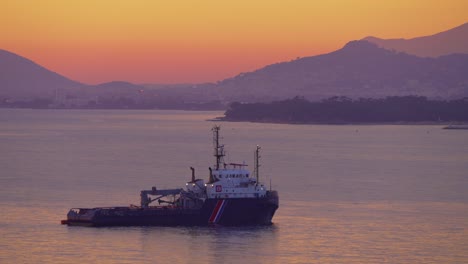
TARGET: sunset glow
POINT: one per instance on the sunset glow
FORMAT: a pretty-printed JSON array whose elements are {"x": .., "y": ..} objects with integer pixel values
[{"x": 202, "y": 41}]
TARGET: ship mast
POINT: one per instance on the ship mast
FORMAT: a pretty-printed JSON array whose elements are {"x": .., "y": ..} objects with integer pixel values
[
  {"x": 218, "y": 149},
  {"x": 257, "y": 163}
]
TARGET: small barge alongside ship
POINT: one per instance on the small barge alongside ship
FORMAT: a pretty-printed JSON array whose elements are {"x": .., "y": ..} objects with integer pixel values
[{"x": 230, "y": 197}]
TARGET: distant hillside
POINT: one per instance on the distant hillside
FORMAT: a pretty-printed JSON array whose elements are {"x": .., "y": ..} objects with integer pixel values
[
  {"x": 444, "y": 43},
  {"x": 359, "y": 69},
  {"x": 31, "y": 85},
  {"x": 23, "y": 78}
]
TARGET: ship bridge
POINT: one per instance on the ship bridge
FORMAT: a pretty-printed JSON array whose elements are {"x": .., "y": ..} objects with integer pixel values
[{"x": 233, "y": 182}]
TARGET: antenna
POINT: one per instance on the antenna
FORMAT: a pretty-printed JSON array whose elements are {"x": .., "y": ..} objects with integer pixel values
[
  {"x": 257, "y": 162},
  {"x": 218, "y": 149}
]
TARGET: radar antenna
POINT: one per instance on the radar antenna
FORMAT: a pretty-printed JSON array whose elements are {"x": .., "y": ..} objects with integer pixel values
[
  {"x": 257, "y": 162},
  {"x": 218, "y": 149}
]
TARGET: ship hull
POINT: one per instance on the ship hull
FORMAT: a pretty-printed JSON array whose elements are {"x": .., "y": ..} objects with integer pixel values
[{"x": 225, "y": 212}]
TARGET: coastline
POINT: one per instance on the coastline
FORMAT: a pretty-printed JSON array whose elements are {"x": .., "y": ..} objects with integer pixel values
[{"x": 422, "y": 123}]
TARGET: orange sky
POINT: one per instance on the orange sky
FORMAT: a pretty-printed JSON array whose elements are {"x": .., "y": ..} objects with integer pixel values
[{"x": 153, "y": 41}]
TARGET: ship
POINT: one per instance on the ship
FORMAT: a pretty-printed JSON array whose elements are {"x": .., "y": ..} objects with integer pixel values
[{"x": 232, "y": 196}]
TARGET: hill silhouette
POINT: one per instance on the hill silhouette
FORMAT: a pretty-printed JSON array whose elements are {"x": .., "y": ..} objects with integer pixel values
[
  {"x": 359, "y": 69},
  {"x": 444, "y": 43},
  {"x": 23, "y": 78},
  {"x": 26, "y": 81}
]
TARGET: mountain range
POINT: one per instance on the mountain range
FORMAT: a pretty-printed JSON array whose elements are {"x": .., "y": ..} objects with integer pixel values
[
  {"x": 359, "y": 69},
  {"x": 444, "y": 43},
  {"x": 434, "y": 66}
]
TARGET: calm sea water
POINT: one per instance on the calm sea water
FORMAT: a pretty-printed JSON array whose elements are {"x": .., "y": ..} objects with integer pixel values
[{"x": 348, "y": 194}]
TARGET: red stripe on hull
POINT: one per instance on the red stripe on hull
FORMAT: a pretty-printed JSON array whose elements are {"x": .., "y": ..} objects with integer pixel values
[{"x": 215, "y": 211}]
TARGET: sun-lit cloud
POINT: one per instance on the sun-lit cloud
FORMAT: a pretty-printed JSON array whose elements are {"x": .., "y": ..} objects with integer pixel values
[{"x": 196, "y": 41}]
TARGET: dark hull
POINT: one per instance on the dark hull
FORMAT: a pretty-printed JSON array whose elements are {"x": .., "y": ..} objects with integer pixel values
[{"x": 226, "y": 212}]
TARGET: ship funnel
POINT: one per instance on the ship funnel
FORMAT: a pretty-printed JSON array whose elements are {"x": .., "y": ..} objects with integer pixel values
[
  {"x": 210, "y": 180},
  {"x": 193, "y": 174}
]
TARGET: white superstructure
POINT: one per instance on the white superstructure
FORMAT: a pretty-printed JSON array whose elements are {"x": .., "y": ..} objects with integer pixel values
[{"x": 229, "y": 180}]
